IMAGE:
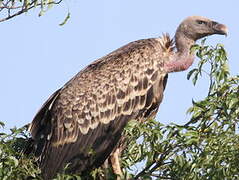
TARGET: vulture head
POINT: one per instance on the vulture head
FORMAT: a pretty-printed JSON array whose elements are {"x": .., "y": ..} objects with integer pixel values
[
  {"x": 197, "y": 27},
  {"x": 190, "y": 30}
]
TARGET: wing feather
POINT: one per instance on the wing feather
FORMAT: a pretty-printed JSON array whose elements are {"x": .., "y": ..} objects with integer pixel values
[{"x": 91, "y": 110}]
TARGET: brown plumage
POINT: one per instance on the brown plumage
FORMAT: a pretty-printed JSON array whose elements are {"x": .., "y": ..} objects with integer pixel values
[{"x": 82, "y": 122}]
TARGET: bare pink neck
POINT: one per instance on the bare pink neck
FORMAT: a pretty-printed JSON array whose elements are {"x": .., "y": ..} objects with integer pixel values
[
  {"x": 183, "y": 58},
  {"x": 180, "y": 63}
]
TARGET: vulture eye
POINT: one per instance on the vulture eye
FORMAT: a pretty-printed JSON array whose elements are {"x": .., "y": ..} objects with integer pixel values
[{"x": 201, "y": 22}]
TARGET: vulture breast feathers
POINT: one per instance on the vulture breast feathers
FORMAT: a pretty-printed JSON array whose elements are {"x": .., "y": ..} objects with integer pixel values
[{"x": 82, "y": 122}]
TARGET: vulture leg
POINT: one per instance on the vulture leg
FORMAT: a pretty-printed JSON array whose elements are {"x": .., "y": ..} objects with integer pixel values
[{"x": 114, "y": 159}]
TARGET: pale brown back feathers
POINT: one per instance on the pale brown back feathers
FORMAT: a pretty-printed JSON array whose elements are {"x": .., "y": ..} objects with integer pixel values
[{"x": 91, "y": 110}]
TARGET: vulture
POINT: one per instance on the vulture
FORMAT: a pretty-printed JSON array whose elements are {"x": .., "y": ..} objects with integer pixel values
[{"x": 81, "y": 124}]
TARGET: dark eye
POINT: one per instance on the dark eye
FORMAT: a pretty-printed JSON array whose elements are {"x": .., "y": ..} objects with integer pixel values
[{"x": 201, "y": 22}]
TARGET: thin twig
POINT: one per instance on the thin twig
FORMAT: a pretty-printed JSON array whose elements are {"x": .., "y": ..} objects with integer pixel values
[
  {"x": 23, "y": 10},
  {"x": 10, "y": 7},
  {"x": 158, "y": 163},
  {"x": 211, "y": 79}
]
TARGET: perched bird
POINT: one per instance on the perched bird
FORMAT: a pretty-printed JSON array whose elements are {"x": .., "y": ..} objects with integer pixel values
[{"x": 82, "y": 122}]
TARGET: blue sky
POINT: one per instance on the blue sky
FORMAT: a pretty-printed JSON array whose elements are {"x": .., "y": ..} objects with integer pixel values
[{"x": 38, "y": 56}]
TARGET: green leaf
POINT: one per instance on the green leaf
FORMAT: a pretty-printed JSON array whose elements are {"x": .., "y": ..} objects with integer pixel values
[
  {"x": 191, "y": 73},
  {"x": 195, "y": 78},
  {"x": 233, "y": 102},
  {"x": 66, "y": 19},
  {"x": 2, "y": 124},
  {"x": 50, "y": 4},
  {"x": 42, "y": 12}
]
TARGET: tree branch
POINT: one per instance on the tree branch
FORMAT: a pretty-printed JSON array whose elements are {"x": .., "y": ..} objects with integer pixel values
[
  {"x": 24, "y": 8},
  {"x": 158, "y": 163}
]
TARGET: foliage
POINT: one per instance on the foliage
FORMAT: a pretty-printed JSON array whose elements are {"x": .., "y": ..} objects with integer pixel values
[
  {"x": 12, "y": 8},
  {"x": 13, "y": 164},
  {"x": 206, "y": 147}
]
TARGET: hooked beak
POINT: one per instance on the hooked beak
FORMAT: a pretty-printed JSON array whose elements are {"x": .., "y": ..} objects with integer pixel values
[{"x": 220, "y": 29}]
